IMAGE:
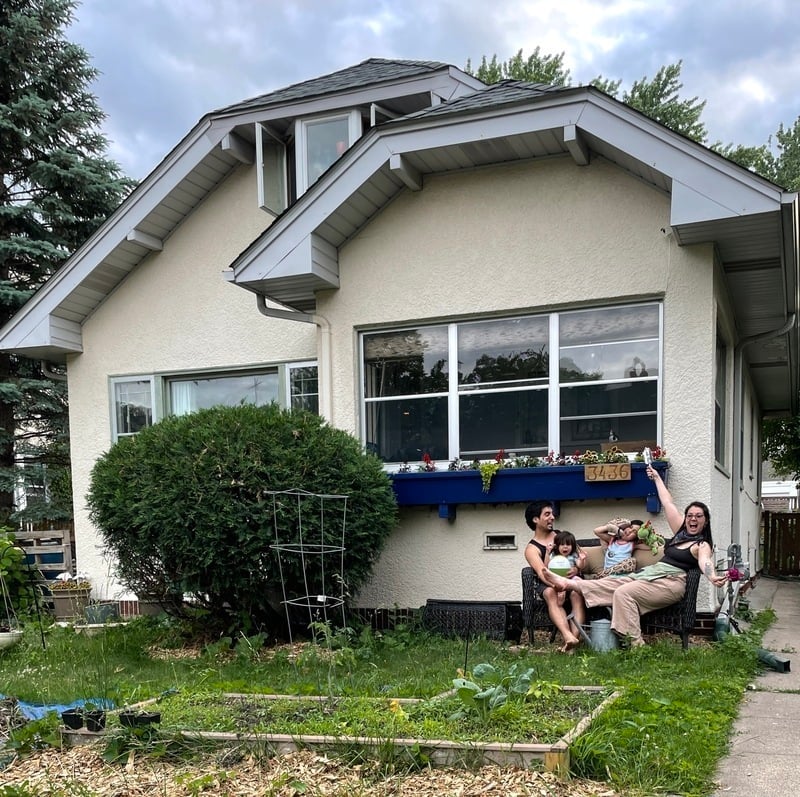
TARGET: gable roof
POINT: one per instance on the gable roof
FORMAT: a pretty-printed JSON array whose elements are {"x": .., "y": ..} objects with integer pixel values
[
  {"x": 752, "y": 223},
  {"x": 449, "y": 121}
]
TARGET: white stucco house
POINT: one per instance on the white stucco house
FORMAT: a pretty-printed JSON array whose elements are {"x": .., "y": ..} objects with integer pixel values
[{"x": 447, "y": 268}]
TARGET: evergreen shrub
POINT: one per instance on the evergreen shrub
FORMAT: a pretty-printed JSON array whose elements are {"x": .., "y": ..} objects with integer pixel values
[{"x": 186, "y": 506}]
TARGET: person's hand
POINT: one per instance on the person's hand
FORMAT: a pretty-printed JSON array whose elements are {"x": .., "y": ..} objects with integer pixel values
[
  {"x": 652, "y": 473},
  {"x": 718, "y": 580}
]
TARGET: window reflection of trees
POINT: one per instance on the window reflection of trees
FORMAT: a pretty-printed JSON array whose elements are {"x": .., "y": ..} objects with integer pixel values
[{"x": 514, "y": 367}]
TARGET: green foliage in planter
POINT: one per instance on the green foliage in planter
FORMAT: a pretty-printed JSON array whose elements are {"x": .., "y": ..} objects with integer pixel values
[{"x": 184, "y": 507}]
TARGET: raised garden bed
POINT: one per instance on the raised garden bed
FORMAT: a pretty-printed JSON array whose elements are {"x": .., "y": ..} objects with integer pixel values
[{"x": 419, "y": 728}]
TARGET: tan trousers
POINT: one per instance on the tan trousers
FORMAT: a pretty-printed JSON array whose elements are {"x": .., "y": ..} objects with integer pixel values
[{"x": 630, "y": 598}]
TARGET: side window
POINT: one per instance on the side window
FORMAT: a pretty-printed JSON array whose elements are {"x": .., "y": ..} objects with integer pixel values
[
  {"x": 271, "y": 171},
  {"x": 720, "y": 399},
  {"x": 132, "y": 401},
  {"x": 303, "y": 387}
]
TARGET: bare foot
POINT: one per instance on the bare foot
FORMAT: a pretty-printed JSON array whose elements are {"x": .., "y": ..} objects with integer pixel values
[
  {"x": 570, "y": 644},
  {"x": 558, "y": 583}
]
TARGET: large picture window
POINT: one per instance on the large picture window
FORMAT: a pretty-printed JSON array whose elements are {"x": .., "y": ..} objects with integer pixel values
[
  {"x": 138, "y": 402},
  {"x": 466, "y": 390}
]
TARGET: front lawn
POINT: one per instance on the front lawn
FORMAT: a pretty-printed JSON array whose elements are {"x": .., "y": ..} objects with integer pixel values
[{"x": 665, "y": 733}]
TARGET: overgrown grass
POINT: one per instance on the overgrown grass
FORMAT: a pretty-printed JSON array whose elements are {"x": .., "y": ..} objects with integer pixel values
[{"x": 664, "y": 734}]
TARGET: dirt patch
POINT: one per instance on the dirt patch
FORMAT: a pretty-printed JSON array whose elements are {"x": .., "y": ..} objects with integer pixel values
[{"x": 83, "y": 771}]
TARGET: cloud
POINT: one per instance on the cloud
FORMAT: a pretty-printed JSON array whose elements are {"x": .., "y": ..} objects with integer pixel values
[{"x": 166, "y": 63}]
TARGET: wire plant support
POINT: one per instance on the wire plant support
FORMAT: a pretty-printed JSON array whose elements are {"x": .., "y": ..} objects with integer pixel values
[{"x": 310, "y": 533}]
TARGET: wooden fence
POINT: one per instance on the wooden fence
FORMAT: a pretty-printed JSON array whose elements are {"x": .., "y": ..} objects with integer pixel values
[{"x": 781, "y": 549}]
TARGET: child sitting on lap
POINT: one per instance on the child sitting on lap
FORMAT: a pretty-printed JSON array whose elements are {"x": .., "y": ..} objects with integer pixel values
[{"x": 566, "y": 547}]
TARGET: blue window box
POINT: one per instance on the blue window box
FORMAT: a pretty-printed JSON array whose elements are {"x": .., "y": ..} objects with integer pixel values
[{"x": 447, "y": 489}]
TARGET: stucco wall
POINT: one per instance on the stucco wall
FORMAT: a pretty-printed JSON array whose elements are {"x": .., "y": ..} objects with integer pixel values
[
  {"x": 527, "y": 238},
  {"x": 174, "y": 312}
]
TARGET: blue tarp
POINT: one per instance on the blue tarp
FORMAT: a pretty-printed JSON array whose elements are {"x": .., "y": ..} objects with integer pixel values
[{"x": 35, "y": 711}]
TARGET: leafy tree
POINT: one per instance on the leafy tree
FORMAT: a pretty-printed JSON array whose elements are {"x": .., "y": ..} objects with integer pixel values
[
  {"x": 658, "y": 98},
  {"x": 187, "y": 506},
  {"x": 56, "y": 187},
  {"x": 537, "y": 68}
]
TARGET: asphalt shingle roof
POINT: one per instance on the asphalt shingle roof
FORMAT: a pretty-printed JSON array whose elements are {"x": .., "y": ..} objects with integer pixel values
[
  {"x": 505, "y": 92},
  {"x": 369, "y": 72}
]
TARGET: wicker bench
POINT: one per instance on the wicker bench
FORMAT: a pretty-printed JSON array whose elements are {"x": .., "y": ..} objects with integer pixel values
[{"x": 679, "y": 618}]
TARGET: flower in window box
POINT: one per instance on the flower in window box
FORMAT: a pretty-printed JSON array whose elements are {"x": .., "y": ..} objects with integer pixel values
[{"x": 428, "y": 465}]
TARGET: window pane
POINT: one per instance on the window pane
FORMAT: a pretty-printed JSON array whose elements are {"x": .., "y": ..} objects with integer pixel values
[
  {"x": 615, "y": 343},
  {"x": 404, "y": 430},
  {"x": 303, "y": 388},
  {"x": 133, "y": 406},
  {"x": 326, "y": 142},
  {"x": 594, "y": 400},
  {"x": 405, "y": 363},
  {"x": 499, "y": 352},
  {"x": 188, "y": 395},
  {"x": 608, "y": 324},
  {"x": 632, "y": 433},
  {"x": 623, "y": 414},
  {"x": 625, "y": 360},
  {"x": 515, "y": 421}
]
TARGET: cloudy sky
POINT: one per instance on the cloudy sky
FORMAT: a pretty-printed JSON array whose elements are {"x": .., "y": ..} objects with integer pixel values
[{"x": 165, "y": 63}]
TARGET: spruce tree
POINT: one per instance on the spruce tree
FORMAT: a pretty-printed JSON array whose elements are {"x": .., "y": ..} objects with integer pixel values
[{"x": 56, "y": 188}]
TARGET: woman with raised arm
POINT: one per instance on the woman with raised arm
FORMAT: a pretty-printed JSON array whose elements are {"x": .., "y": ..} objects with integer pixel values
[{"x": 657, "y": 585}]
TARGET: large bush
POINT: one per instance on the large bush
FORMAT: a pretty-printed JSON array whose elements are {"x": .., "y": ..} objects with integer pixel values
[{"x": 188, "y": 505}]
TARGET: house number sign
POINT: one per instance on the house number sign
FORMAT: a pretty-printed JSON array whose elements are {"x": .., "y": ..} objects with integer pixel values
[{"x": 614, "y": 472}]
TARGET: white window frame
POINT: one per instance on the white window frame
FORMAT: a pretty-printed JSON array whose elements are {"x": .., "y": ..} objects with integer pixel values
[
  {"x": 272, "y": 174},
  {"x": 353, "y": 119},
  {"x": 160, "y": 385},
  {"x": 554, "y": 385},
  {"x": 120, "y": 380},
  {"x": 288, "y": 381}
]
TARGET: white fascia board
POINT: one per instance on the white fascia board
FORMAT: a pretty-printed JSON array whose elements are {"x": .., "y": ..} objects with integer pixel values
[
  {"x": 705, "y": 179},
  {"x": 287, "y": 233},
  {"x": 156, "y": 186},
  {"x": 313, "y": 255},
  {"x": 52, "y": 333}
]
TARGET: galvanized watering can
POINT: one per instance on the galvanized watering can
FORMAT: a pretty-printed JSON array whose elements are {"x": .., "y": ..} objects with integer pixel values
[{"x": 600, "y": 636}]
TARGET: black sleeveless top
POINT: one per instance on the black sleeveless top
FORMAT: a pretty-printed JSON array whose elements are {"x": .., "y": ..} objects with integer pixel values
[
  {"x": 681, "y": 557},
  {"x": 542, "y": 549}
]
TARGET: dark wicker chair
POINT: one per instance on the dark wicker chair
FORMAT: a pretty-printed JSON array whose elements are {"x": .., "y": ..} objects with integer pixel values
[{"x": 679, "y": 618}]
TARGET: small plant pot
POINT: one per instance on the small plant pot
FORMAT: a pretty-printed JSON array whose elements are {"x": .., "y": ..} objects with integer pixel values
[
  {"x": 72, "y": 718},
  {"x": 138, "y": 719},
  {"x": 95, "y": 721}
]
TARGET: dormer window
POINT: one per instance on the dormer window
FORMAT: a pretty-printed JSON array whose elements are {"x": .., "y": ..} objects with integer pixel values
[{"x": 321, "y": 141}]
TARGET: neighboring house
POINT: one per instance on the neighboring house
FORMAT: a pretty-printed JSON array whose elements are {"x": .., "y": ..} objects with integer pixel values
[{"x": 447, "y": 268}]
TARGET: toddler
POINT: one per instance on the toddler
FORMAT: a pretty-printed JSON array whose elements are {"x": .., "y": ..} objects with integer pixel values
[
  {"x": 565, "y": 544},
  {"x": 620, "y": 537}
]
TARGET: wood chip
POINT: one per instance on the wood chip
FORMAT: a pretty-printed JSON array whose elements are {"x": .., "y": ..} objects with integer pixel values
[{"x": 307, "y": 773}]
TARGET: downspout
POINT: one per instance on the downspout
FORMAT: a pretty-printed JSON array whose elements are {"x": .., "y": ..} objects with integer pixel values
[
  {"x": 323, "y": 347},
  {"x": 738, "y": 391}
]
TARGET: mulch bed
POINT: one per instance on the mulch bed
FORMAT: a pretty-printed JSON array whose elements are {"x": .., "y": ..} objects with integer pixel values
[{"x": 82, "y": 770}]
